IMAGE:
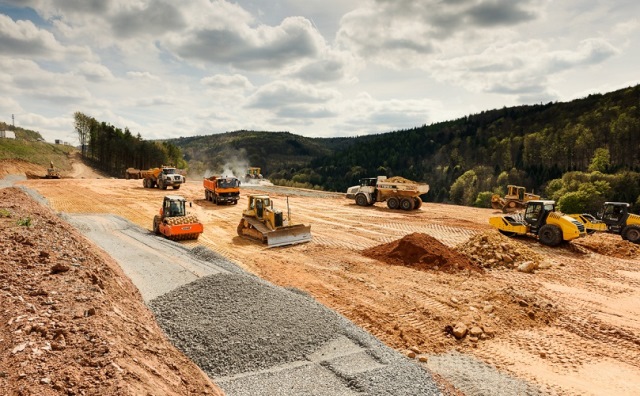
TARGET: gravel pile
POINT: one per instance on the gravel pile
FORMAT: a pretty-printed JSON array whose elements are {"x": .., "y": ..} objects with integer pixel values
[{"x": 255, "y": 338}]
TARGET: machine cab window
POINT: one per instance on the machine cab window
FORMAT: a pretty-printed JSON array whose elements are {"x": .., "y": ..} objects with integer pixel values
[
  {"x": 174, "y": 208},
  {"x": 534, "y": 212}
]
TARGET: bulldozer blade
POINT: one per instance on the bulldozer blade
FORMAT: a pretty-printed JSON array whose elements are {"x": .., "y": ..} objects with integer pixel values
[{"x": 289, "y": 236}]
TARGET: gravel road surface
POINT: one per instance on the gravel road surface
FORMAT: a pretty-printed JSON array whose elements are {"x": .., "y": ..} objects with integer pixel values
[{"x": 250, "y": 336}]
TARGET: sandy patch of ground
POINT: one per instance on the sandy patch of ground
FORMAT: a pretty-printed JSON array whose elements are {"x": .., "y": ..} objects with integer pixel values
[{"x": 573, "y": 321}]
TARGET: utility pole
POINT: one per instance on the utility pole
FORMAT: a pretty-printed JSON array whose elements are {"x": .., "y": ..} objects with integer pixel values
[{"x": 13, "y": 121}]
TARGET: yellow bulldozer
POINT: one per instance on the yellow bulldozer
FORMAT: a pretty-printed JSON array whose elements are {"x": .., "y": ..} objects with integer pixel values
[
  {"x": 541, "y": 220},
  {"x": 515, "y": 199},
  {"x": 261, "y": 222}
]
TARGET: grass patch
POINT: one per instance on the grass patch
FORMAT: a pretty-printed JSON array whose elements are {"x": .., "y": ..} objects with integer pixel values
[
  {"x": 5, "y": 213},
  {"x": 40, "y": 153},
  {"x": 25, "y": 222}
]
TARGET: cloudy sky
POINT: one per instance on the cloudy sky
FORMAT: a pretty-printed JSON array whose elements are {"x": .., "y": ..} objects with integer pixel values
[{"x": 318, "y": 68}]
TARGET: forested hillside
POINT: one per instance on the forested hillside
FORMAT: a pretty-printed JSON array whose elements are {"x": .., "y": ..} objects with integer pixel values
[
  {"x": 273, "y": 152},
  {"x": 113, "y": 150},
  {"x": 587, "y": 148}
]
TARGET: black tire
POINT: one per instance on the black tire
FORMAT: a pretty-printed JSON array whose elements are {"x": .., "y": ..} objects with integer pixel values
[
  {"x": 156, "y": 225},
  {"x": 406, "y": 204},
  {"x": 632, "y": 233},
  {"x": 176, "y": 187},
  {"x": 144, "y": 183},
  {"x": 393, "y": 203},
  {"x": 550, "y": 235},
  {"x": 361, "y": 200},
  {"x": 417, "y": 203}
]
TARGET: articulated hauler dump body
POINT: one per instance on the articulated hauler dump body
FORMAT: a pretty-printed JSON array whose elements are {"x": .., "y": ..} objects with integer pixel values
[
  {"x": 261, "y": 222},
  {"x": 400, "y": 193},
  {"x": 174, "y": 222},
  {"x": 163, "y": 177},
  {"x": 219, "y": 189}
]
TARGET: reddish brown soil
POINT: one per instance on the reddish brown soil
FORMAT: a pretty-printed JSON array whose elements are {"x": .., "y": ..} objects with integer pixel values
[
  {"x": 71, "y": 322},
  {"x": 423, "y": 252}
]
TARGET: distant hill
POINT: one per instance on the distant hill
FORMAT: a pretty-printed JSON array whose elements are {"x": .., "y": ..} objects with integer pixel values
[
  {"x": 525, "y": 145},
  {"x": 271, "y": 151}
]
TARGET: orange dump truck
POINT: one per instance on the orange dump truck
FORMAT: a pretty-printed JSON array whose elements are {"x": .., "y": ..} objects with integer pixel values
[
  {"x": 174, "y": 222},
  {"x": 221, "y": 190}
]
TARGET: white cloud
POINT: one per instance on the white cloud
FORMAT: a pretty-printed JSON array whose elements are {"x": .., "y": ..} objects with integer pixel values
[
  {"x": 94, "y": 72},
  {"x": 227, "y": 82},
  {"x": 23, "y": 38}
]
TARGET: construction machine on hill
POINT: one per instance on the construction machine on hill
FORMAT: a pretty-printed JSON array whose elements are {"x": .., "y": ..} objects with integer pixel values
[
  {"x": 398, "y": 192},
  {"x": 174, "y": 222},
  {"x": 614, "y": 218},
  {"x": 261, "y": 222},
  {"x": 540, "y": 219},
  {"x": 52, "y": 172},
  {"x": 515, "y": 199}
]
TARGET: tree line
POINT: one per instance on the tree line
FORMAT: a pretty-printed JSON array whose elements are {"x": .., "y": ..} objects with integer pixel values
[
  {"x": 113, "y": 150},
  {"x": 594, "y": 140}
]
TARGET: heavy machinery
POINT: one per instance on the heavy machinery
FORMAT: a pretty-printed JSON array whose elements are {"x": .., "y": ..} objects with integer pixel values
[
  {"x": 174, "y": 222},
  {"x": 514, "y": 200},
  {"x": 132, "y": 173},
  {"x": 541, "y": 220},
  {"x": 219, "y": 189},
  {"x": 253, "y": 173},
  {"x": 52, "y": 172},
  {"x": 400, "y": 193},
  {"x": 162, "y": 177},
  {"x": 261, "y": 222},
  {"x": 616, "y": 219}
]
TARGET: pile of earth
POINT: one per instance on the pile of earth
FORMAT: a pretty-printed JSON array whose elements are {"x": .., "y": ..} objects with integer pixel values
[
  {"x": 422, "y": 252},
  {"x": 491, "y": 249},
  {"x": 609, "y": 245},
  {"x": 71, "y": 322}
]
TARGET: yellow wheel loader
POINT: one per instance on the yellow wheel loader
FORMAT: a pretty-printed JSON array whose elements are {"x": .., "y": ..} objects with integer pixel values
[
  {"x": 515, "y": 199},
  {"x": 540, "y": 219},
  {"x": 261, "y": 222},
  {"x": 615, "y": 219}
]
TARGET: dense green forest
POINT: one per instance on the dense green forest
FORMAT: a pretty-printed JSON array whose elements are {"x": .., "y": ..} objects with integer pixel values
[
  {"x": 113, "y": 150},
  {"x": 580, "y": 153}
]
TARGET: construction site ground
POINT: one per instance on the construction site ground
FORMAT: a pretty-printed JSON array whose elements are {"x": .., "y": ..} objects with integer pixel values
[{"x": 570, "y": 326}]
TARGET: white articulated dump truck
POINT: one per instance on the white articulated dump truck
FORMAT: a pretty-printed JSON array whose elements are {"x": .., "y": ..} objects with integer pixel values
[{"x": 400, "y": 193}]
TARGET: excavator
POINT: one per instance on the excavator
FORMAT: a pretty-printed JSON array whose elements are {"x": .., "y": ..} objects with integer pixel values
[
  {"x": 52, "y": 172},
  {"x": 174, "y": 222},
  {"x": 514, "y": 200},
  {"x": 261, "y": 222}
]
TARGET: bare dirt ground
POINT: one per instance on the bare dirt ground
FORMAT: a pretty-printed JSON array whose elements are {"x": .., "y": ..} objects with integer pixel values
[{"x": 572, "y": 326}]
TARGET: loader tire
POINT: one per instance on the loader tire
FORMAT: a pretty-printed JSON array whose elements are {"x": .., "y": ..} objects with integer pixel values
[
  {"x": 550, "y": 235},
  {"x": 361, "y": 200},
  {"x": 406, "y": 204},
  {"x": 393, "y": 203},
  {"x": 176, "y": 187},
  {"x": 156, "y": 225},
  {"x": 144, "y": 183},
  {"x": 632, "y": 233},
  {"x": 417, "y": 203}
]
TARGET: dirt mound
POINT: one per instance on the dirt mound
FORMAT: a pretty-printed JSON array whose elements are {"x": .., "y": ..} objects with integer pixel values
[
  {"x": 609, "y": 245},
  {"x": 19, "y": 167},
  {"x": 491, "y": 249},
  {"x": 72, "y": 323},
  {"x": 421, "y": 251}
]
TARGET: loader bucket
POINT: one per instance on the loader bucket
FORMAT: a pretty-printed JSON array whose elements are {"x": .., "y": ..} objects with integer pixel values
[{"x": 292, "y": 235}]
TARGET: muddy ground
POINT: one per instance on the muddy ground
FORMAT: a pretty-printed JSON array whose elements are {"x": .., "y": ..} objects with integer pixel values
[{"x": 566, "y": 319}]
